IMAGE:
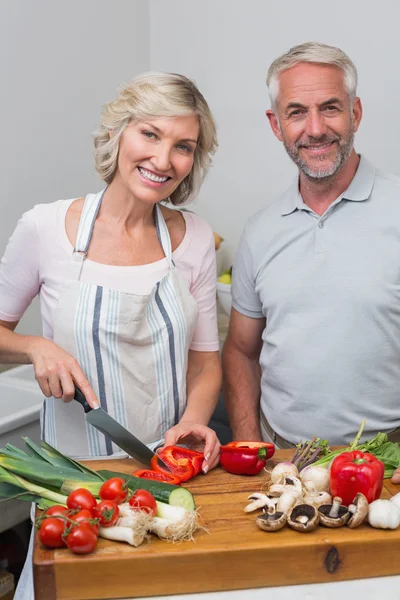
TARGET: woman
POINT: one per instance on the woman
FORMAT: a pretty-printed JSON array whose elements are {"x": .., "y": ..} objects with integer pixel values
[{"x": 127, "y": 285}]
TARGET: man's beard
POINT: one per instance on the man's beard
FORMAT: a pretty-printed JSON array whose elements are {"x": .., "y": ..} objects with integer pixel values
[{"x": 344, "y": 148}]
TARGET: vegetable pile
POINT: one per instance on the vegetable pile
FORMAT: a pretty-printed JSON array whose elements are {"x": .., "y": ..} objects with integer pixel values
[
  {"x": 304, "y": 492},
  {"x": 80, "y": 504}
]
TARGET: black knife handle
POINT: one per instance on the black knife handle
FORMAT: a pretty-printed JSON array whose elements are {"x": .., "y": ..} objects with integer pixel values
[{"x": 79, "y": 397}]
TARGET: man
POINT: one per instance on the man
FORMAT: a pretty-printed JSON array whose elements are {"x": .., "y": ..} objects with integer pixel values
[{"x": 314, "y": 340}]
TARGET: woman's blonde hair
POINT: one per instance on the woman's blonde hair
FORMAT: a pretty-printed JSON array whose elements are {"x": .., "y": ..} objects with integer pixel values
[{"x": 150, "y": 95}]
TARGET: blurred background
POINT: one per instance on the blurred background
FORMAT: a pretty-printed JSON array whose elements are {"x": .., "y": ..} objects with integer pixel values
[{"x": 61, "y": 61}]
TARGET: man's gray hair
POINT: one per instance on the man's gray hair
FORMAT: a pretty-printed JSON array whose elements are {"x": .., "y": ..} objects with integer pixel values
[{"x": 312, "y": 52}]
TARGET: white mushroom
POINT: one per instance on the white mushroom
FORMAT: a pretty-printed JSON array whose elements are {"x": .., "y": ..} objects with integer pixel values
[
  {"x": 287, "y": 500},
  {"x": 318, "y": 499},
  {"x": 260, "y": 501}
]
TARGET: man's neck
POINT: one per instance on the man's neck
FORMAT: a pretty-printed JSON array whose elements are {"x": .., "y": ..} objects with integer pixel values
[{"x": 319, "y": 194}]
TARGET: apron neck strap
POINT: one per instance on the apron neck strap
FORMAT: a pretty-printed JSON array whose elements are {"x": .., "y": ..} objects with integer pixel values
[
  {"x": 89, "y": 214},
  {"x": 163, "y": 235}
]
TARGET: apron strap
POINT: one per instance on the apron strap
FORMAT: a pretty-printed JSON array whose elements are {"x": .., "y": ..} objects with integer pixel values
[
  {"x": 85, "y": 229},
  {"x": 163, "y": 235},
  {"x": 87, "y": 220}
]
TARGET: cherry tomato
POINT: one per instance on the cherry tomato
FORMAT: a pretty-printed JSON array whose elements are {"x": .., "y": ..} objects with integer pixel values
[
  {"x": 56, "y": 510},
  {"x": 81, "y": 539},
  {"x": 51, "y": 532},
  {"x": 143, "y": 500},
  {"x": 81, "y": 498},
  {"x": 86, "y": 516},
  {"x": 115, "y": 489},
  {"x": 107, "y": 512}
]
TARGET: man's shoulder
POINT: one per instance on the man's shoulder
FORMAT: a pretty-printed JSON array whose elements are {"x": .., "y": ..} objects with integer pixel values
[
  {"x": 388, "y": 180},
  {"x": 269, "y": 216}
]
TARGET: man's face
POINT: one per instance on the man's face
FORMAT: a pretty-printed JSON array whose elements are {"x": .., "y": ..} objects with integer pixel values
[{"x": 314, "y": 118}]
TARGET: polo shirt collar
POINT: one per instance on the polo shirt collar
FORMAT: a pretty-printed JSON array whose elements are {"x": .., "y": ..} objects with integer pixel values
[{"x": 360, "y": 189}]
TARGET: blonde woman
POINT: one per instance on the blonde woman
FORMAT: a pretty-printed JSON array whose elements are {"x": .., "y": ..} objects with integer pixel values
[{"x": 126, "y": 284}]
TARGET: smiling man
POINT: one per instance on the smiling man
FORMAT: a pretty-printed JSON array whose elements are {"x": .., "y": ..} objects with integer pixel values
[{"x": 314, "y": 337}]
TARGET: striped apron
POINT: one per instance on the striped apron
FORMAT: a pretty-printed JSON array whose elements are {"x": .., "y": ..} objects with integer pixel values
[{"x": 132, "y": 348}]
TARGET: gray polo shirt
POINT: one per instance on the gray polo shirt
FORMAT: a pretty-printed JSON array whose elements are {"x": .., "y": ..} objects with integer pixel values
[{"x": 329, "y": 288}]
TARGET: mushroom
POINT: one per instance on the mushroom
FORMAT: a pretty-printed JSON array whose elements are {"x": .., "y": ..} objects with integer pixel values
[
  {"x": 271, "y": 522},
  {"x": 358, "y": 510},
  {"x": 318, "y": 498},
  {"x": 303, "y": 517},
  {"x": 260, "y": 501},
  {"x": 334, "y": 515},
  {"x": 287, "y": 501},
  {"x": 292, "y": 484}
]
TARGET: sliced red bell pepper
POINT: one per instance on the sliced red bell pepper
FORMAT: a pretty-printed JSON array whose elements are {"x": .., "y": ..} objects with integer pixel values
[
  {"x": 157, "y": 476},
  {"x": 245, "y": 458},
  {"x": 182, "y": 462},
  {"x": 356, "y": 471}
]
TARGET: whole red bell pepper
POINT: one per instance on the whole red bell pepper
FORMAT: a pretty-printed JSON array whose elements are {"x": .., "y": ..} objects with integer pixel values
[
  {"x": 245, "y": 458},
  {"x": 353, "y": 472},
  {"x": 182, "y": 462}
]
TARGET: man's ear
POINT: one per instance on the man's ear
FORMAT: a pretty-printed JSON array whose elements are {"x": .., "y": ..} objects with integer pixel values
[
  {"x": 357, "y": 113},
  {"x": 273, "y": 121}
]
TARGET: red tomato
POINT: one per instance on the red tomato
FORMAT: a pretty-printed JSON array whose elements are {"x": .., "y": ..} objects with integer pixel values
[
  {"x": 143, "y": 500},
  {"x": 51, "y": 531},
  {"x": 115, "y": 489},
  {"x": 81, "y": 498},
  {"x": 86, "y": 516},
  {"x": 56, "y": 510},
  {"x": 81, "y": 539},
  {"x": 107, "y": 512}
]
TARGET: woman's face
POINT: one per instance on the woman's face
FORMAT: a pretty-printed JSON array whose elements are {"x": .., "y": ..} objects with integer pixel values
[{"x": 155, "y": 156}]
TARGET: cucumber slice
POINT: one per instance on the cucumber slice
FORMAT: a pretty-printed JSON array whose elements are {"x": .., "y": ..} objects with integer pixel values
[{"x": 182, "y": 497}]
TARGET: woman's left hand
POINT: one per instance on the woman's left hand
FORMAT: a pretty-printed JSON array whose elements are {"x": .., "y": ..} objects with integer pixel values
[
  {"x": 197, "y": 437},
  {"x": 396, "y": 476}
]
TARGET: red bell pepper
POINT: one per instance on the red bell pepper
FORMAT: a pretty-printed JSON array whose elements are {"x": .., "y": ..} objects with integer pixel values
[
  {"x": 157, "y": 476},
  {"x": 353, "y": 472},
  {"x": 245, "y": 458},
  {"x": 182, "y": 462}
]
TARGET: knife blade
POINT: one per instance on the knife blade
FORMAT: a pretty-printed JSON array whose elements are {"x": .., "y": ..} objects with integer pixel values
[{"x": 116, "y": 432}]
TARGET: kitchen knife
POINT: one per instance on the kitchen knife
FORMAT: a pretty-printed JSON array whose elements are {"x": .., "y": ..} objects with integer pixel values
[{"x": 116, "y": 432}]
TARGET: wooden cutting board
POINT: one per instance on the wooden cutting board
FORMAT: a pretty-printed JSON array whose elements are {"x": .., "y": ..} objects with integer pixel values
[{"x": 234, "y": 554}]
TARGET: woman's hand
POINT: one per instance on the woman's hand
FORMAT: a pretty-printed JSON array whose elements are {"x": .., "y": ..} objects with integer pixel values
[
  {"x": 57, "y": 372},
  {"x": 396, "y": 476},
  {"x": 197, "y": 437}
]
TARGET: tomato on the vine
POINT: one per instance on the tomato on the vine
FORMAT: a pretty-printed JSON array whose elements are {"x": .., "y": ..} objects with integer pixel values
[
  {"x": 144, "y": 500},
  {"x": 56, "y": 510},
  {"x": 81, "y": 539},
  {"x": 114, "y": 489},
  {"x": 51, "y": 532},
  {"x": 81, "y": 499},
  {"x": 86, "y": 516},
  {"x": 107, "y": 512}
]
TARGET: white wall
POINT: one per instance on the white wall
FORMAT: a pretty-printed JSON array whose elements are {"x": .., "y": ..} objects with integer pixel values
[
  {"x": 227, "y": 47},
  {"x": 59, "y": 63}
]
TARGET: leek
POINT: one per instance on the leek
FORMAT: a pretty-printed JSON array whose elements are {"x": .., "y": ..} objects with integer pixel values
[
  {"x": 26, "y": 486},
  {"x": 41, "y": 472}
]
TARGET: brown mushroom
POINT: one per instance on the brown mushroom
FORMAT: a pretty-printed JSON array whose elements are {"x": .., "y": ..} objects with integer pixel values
[
  {"x": 358, "y": 511},
  {"x": 303, "y": 517},
  {"x": 274, "y": 522},
  {"x": 334, "y": 515}
]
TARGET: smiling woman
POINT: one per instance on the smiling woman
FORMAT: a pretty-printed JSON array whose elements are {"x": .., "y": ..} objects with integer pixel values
[{"x": 127, "y": 285}]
